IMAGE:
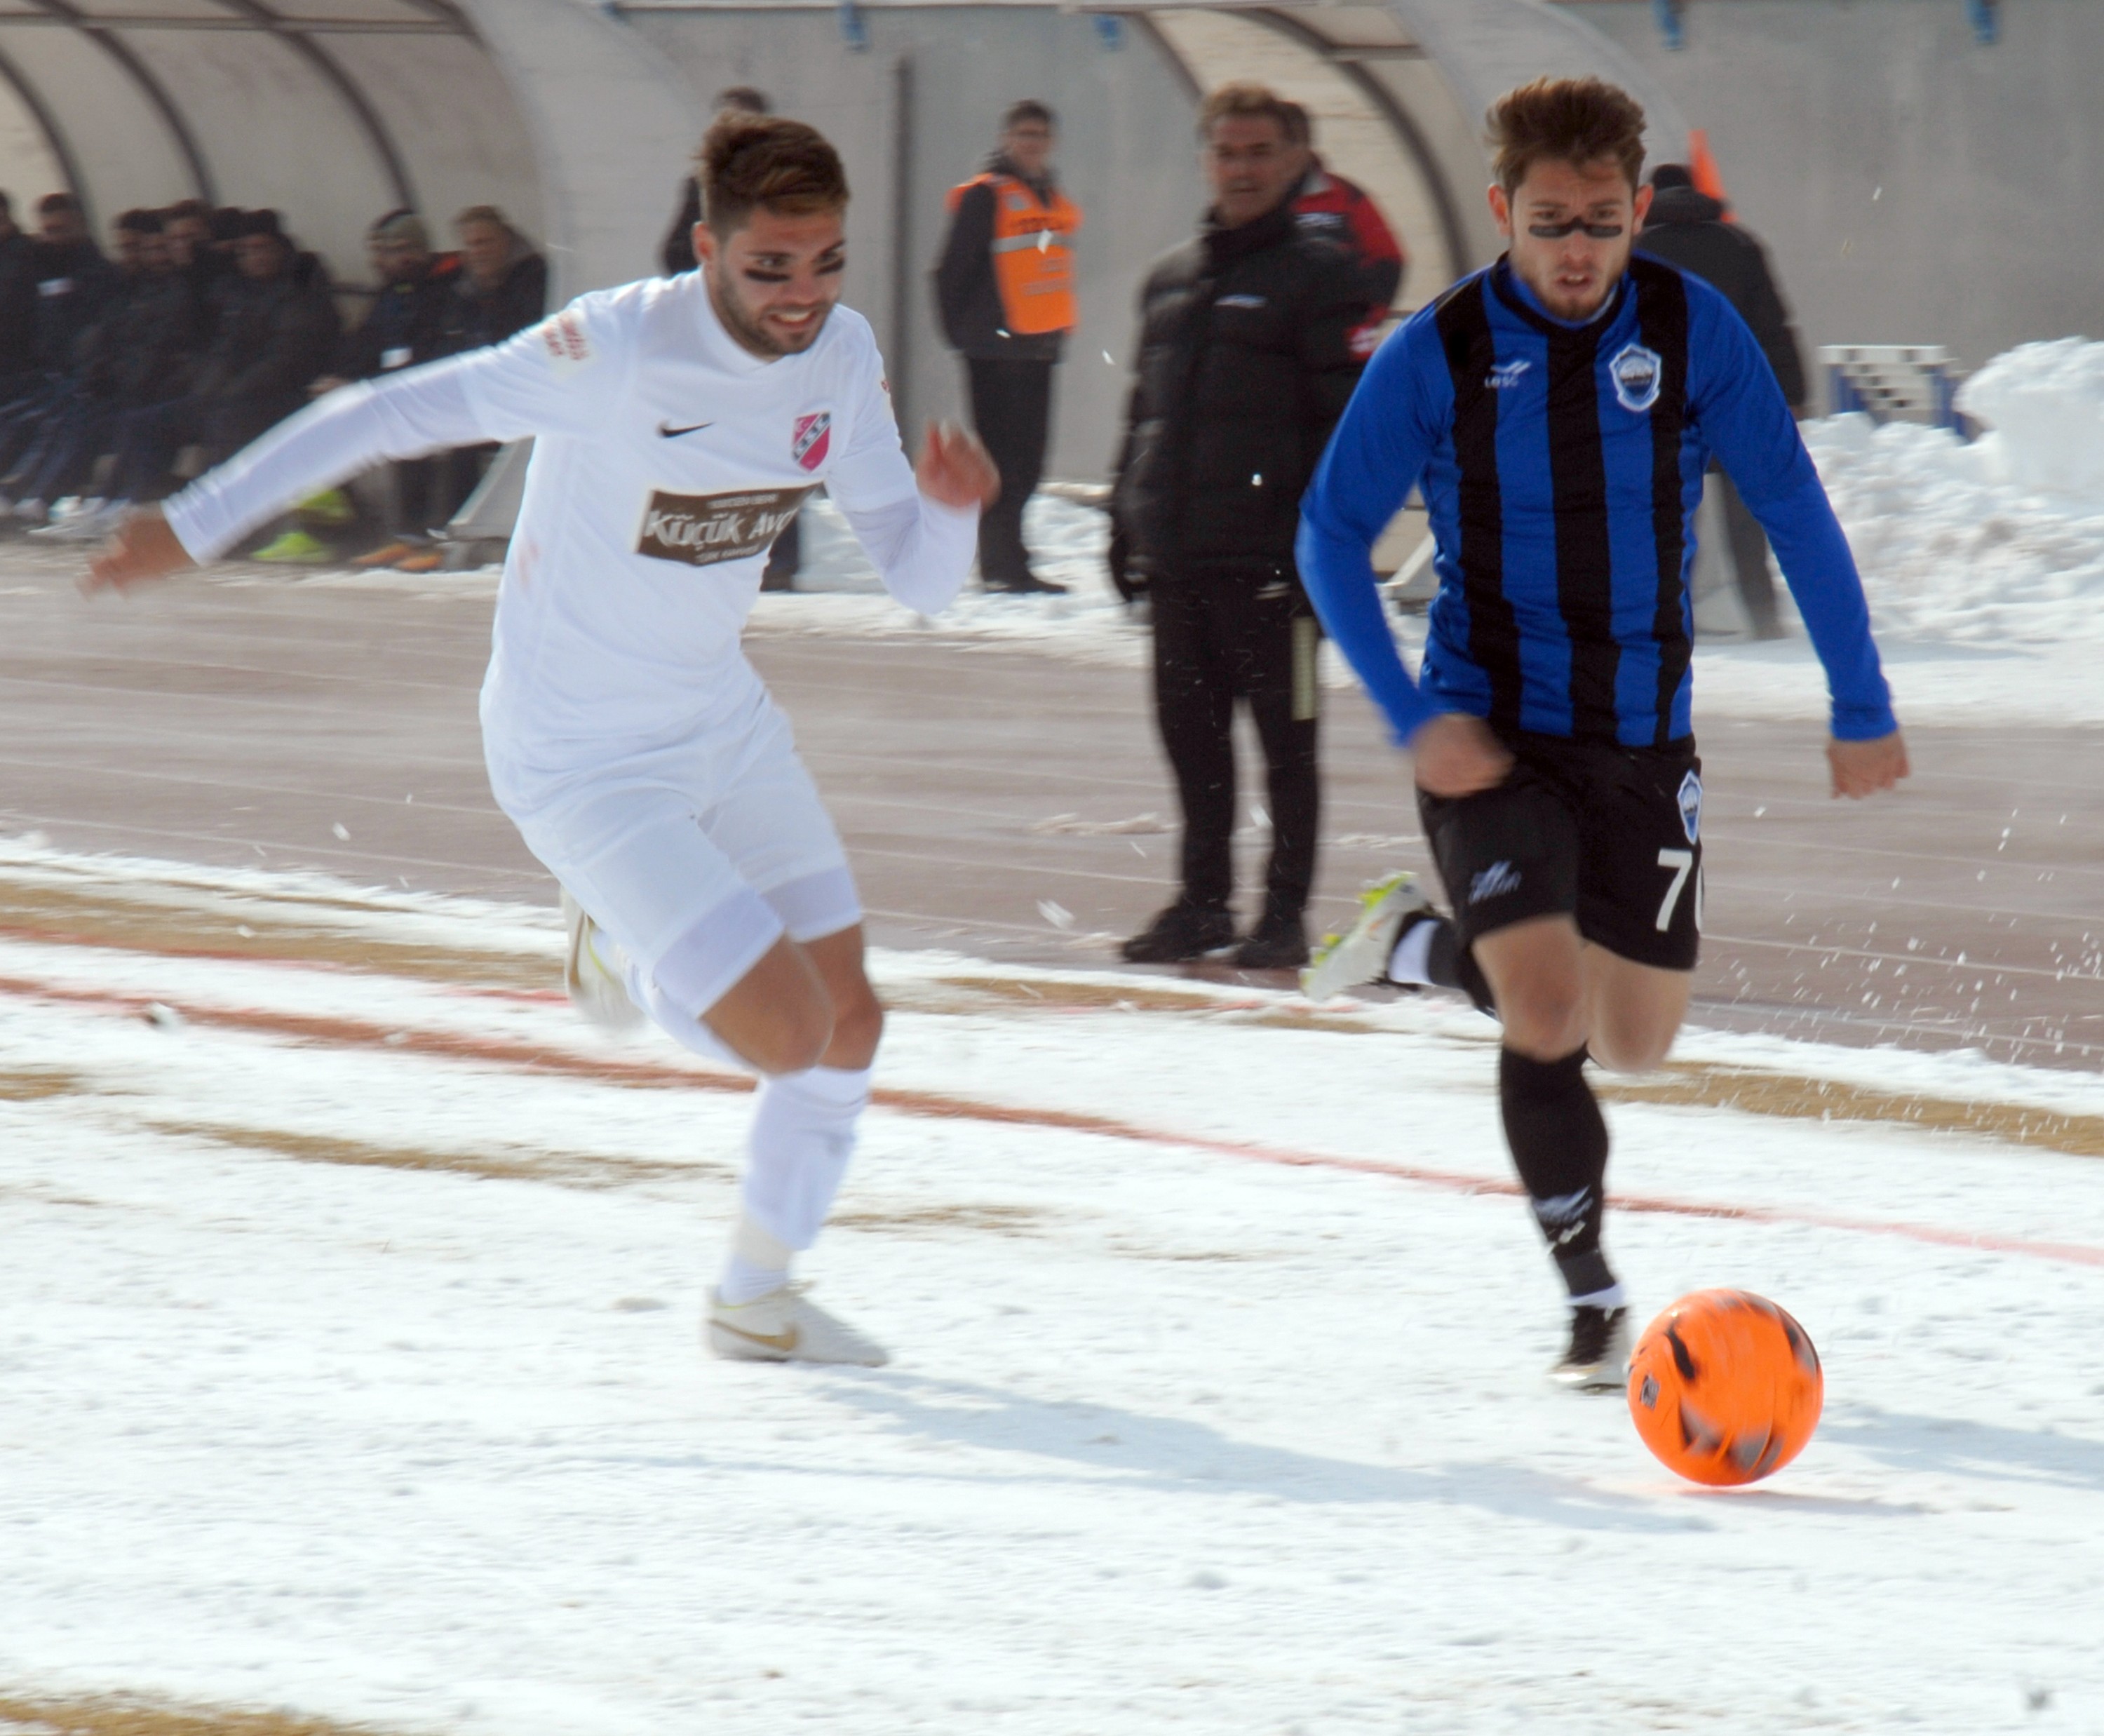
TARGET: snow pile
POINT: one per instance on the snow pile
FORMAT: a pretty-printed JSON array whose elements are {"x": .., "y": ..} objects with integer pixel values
[
  {"x": 1950, "y": 547},
  {"x": 2045, "y": 403}
]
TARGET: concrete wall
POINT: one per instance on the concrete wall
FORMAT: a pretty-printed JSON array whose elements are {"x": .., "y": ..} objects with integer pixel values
[
  {"x": 1126, "y": 154},
  {"x": 1912, "y": 185}
]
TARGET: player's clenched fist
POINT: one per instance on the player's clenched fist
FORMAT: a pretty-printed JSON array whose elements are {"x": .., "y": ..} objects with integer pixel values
[
  {"x": 142, "y": 547},
  {"x": 1457, "y": 755},
  {"x": 956, "y": 469},
  {"x": 1862, "y": 769}
]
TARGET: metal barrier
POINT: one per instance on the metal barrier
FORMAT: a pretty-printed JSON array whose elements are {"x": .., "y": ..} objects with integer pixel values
[{"x": 1895, "y": 383}]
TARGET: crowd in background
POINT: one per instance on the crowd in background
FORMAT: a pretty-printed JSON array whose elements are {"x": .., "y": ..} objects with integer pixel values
[{"x": 124, "y": 372}]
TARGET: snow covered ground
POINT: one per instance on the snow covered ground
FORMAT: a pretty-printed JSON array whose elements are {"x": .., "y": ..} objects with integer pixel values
[{"x": 349, "y": 1360}]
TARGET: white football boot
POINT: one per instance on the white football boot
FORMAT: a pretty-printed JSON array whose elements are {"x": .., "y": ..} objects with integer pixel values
[
  {"x": 596, "y": 973},
  {"x": 1598, "y": 1359},
  {"x": 786, "y": 1325},
  {"x": 1361, "y": 955}
]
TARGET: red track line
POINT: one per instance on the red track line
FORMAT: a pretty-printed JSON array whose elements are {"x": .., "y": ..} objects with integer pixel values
[{"x": 357, "y": 1033}]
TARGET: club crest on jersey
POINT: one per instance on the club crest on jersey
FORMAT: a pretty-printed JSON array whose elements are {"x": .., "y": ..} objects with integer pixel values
[
  {"x": 1638, "y": 374},
  {"x": 1505, "y": 375},
  {"x": 1691, "y": 807},
  {"x": 812, "y": 439}
]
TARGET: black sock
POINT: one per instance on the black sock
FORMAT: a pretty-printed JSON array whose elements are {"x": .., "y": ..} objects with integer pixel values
[{"x": 1559, "y": 1145}]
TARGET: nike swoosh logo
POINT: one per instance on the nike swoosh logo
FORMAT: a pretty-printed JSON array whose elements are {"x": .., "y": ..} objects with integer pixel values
[
  {"x": 784, "y": 1342},
  {"x": 671, "y": 433}
]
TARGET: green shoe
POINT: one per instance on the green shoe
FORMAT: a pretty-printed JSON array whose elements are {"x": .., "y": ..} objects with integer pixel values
[
  {"x": 295, "y": 548},
  {"x": 330, "y": 506},
  {"x": 1346, "y": 961}
]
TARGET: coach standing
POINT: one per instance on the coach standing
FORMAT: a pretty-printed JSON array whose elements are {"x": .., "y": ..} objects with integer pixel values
[
  {"x": 1252, "y": 339},
  {"x": 1005, "y": 287}
]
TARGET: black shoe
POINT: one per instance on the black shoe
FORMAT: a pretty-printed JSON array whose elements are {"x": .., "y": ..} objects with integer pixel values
[
  {"x": 1181, "y": 932},
  {"x": 1598, "y": 1359},
  {"x": 1029, "y": 585},
  {"x": 1277, "y": 943}
]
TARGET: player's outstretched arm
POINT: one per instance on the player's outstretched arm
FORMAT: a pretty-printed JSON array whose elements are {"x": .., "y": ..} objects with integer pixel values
[
  {"x": 1862, "y": 769},
  {"x": 142, "y": 549}
]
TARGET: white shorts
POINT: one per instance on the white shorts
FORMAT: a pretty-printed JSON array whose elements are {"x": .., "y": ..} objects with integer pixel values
[{"x": 696, "y": 857}]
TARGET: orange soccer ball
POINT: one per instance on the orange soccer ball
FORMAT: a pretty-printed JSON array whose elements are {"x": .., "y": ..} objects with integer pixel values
[{"x": 1725, "y": 1387}]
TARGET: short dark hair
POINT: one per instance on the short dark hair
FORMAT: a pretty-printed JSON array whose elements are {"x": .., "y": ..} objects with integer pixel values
[
  {"x": 745, "y": 99},
  {"x": 261, "y": 223},
  {"x": 186, "y": 207},
  {"x": 1245, "y": 99},
  {"x": 1672, "y": 175},
  {"x": 1030, "y": 108},
  {"x": 140, "y": 222},
  {"x": 51, "y": 202},
  {"x": 1299, "y": 124},
  {"x": 755, "y": 161},
  {"x": 1577, "y": 121},
  {"x": 489, "y": 214}
]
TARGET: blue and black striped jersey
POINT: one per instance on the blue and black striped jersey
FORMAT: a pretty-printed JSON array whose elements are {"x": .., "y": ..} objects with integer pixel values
[{"x": 1562, "y": 465}]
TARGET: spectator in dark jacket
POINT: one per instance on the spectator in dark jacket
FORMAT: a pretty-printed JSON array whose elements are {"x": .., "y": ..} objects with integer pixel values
[
  {"x": 406, "y": 324},
  {"x": 503, "y": 283},
  {"x": 1252, "y": 339},
  {"x": 73, "y": 285},
  {"x": 276, "y": 330},
  {"x": 18, "y": 306},
  {"x": 1325, "y": 203},
  {"x": 1005, "y": 287},
  {"x": 141, "y": 352},
  {"x": 1688, "y": 228}
]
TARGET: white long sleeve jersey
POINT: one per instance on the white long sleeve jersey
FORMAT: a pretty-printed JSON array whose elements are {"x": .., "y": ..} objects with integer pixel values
[{"x": 666, "y": 458}]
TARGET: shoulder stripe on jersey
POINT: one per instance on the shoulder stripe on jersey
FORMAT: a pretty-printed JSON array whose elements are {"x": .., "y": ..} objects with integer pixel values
[
  {"x": 1464, "y": 335},
  {"x": 1585, "y": 550},
  {"x": 1662, "y": 320}
]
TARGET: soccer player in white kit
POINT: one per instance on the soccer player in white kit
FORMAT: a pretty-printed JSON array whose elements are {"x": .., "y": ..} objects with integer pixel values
[{"x": 678, "y": 425}]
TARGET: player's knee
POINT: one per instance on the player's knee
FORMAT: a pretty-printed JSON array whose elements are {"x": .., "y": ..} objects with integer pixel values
[
  {"x": 858, "y": 1029},
  {"x": 794, "y": 1039},
  {"x": 1544, "y": 1017},
  {"x": 1624, "y": 1042}
]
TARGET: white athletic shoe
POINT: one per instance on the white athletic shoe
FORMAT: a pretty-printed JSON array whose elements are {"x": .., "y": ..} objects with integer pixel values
[
  {"x": 1361, "y": 955},
  {"x": 596, "y": 973},
  {"x": 91, "y": 523},
  {"x": 1598, "y": 1359},
  {"x": 786, "y": 1325}
]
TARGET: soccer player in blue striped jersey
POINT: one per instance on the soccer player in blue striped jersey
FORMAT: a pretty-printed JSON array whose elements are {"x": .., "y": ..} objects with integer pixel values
[{"x": 1558, "y": 410}]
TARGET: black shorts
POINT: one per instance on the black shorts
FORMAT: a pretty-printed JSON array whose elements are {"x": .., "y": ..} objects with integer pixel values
[{"x": 1609, "y": 835}]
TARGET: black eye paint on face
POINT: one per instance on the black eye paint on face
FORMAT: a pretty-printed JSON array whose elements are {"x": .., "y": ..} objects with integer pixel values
[{"x": 1557, "y": 231}]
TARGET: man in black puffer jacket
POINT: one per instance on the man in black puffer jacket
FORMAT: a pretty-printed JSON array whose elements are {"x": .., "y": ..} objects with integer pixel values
[
  {"x": 1252, "y": 339},
  {"x": 1686, "y": 228}
]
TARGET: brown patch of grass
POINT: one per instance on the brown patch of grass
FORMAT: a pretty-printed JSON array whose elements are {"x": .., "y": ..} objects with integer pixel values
[
  {"x": 1827, "y": 1099},
  {"x": 122, "y": 1716},
  {"x": 99, "y": 917},
  {"x": 564, "y": 1168},
  {"x": 1111, "y": 996},
  {"x": 34, "y": 1084},
  {"x": 996, "y": 1220}
]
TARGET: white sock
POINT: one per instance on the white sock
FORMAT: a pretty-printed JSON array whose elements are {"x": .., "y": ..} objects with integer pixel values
[
  {"x": 1411, "y": 960},
  {"x": 1613, "y": 1296},
  {"x": 757, "y": 1265},
  {"x": 803, "y": 1136}
]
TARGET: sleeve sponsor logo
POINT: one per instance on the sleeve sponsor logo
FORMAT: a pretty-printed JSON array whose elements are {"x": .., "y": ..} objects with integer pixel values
[
  {"x": 565, "y": 343},
  {"x": 705, "y": 530}
]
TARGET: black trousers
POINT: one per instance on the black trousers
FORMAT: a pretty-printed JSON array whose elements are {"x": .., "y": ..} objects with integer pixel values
[
  {"x": 1749, "y": 558},
  {"x": 1012, "y": 413},
  {"x": 1221, "y": 637}
]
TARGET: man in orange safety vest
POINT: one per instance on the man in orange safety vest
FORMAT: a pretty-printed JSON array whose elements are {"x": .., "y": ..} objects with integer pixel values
[{"x": 1005, "y": 288}]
